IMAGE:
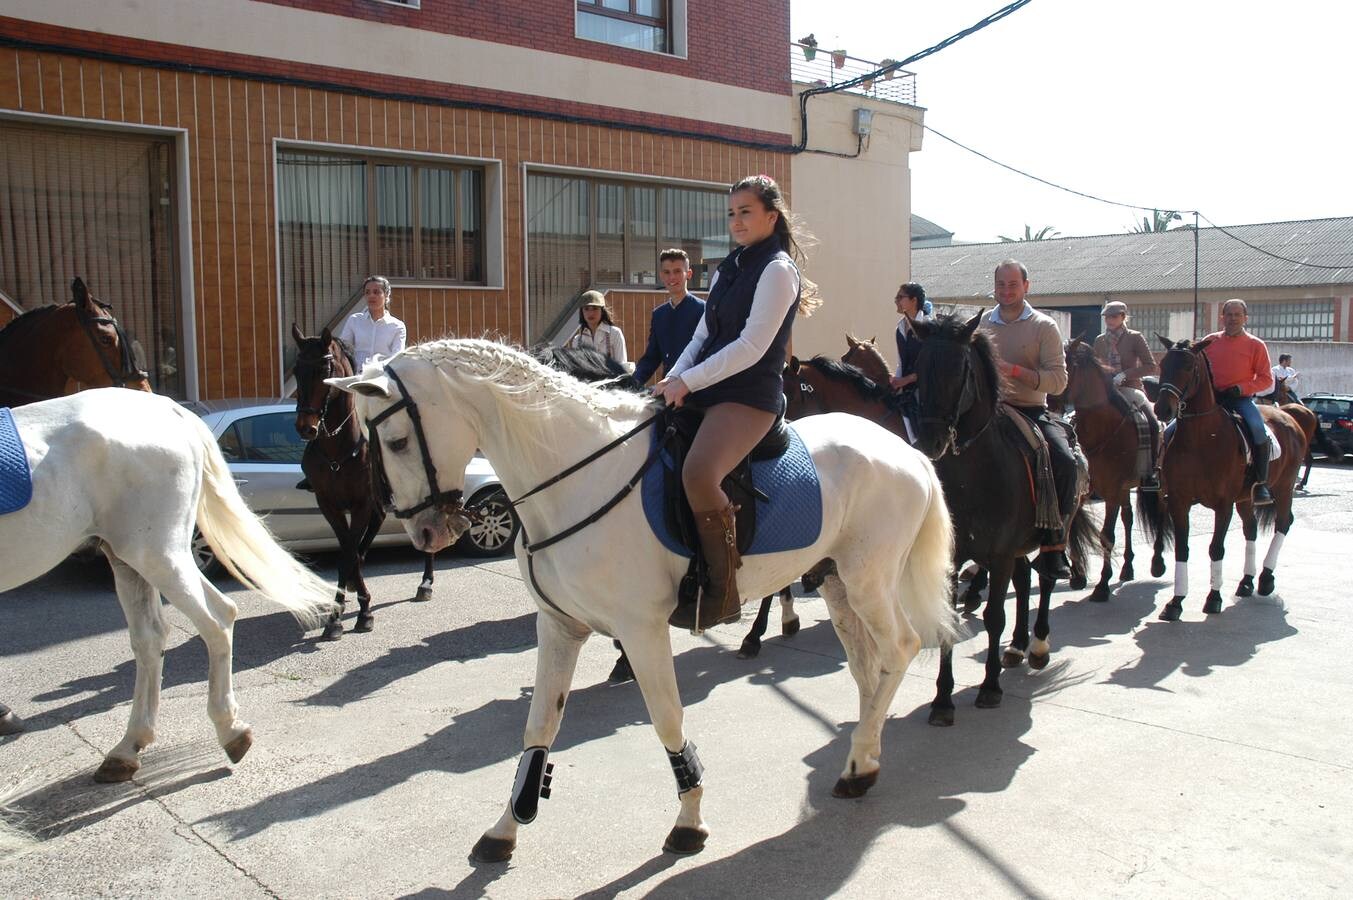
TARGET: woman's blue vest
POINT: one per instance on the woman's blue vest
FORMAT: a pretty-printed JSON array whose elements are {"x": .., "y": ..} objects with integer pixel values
[{"x": 760, "y": 385}]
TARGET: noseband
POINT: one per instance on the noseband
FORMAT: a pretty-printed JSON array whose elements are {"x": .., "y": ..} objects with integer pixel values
[
  {"x": 447, "y": 502},
  {"x": 129, "y": 371}
]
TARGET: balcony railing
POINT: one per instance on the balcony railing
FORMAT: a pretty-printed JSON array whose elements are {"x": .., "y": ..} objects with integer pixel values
[{"x": 826, "y": 69}]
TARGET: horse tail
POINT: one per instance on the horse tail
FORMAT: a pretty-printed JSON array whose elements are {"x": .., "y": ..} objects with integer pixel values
[
  {"x": 1151, "y": 516},
  {"x": 927, "y": 577},
  {"x": 1084, "y": 535},
  {"x": 244, "y": 545}
]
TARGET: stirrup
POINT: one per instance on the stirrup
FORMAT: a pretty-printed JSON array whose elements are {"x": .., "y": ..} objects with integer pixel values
[{"x": 1260, "y": 495}]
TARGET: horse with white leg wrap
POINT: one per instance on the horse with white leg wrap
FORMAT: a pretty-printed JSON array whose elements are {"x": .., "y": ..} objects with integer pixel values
[{"x": 884, "y": 525}]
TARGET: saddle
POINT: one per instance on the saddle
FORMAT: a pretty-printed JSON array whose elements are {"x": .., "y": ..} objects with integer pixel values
[
  {"x": 1038, "y": 461},
  {"x": 738, "y": 485}
]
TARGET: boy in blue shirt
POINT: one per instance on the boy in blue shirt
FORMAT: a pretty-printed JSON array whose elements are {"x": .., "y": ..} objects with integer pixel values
[{"x": 674, "y": 322}]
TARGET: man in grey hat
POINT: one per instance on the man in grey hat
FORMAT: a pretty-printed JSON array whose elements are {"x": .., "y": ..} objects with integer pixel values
[{"x": 1125, "y": 352}]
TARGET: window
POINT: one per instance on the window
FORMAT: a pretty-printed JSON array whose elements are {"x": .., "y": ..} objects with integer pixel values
[
  {"x": 1331, "y": 407},
  {"x": 269, "y": 438},
  {"x": 1303, "y": 320},
  {"x": 583, "y": 233},
  {"x": 638, "y": 24},
  {"x": 1175, "y": 322},
  {"x": 341, "y": 218}
]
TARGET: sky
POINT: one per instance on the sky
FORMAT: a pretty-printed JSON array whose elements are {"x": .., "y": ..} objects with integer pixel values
[{"x": 1237, "y": 108}]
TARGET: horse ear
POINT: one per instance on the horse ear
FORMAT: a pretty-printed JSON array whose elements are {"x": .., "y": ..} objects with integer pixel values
[
  {"x": 1202, "y": 345},
  {"x": 1164, "y": 341},
  {"x": 326, "y": 336},
  {"x": 296, "y": 334},
  {"x": 375, "y": 386},
  {"x": 969, "y": 327},
  {"x": 850, "y": 341},
  {"x": 793, "y": 365},
  {"x": 79, "y": 293},
  {"x": 874, "y": 340}
]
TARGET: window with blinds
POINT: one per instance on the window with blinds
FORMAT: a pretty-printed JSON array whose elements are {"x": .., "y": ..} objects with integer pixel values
[
  {"x": 1299, "y": 320},
  {"x": 99, "y": 205},
  {"x": 584, "y": 233}
]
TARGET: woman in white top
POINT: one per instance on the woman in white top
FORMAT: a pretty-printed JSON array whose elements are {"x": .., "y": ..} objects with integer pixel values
[
  {"x": 596, "y": 331},
  {"x": 374, "y": 330}
]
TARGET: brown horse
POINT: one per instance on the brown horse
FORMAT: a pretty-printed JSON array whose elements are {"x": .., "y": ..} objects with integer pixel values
[
  {"x": 1204, "y": 463},
  {"x": 46, "y": 351},
  {"x": 1107, "y": 432},
  {"x": 868, "y": 358},
  {"x": 337, "y": 464}
]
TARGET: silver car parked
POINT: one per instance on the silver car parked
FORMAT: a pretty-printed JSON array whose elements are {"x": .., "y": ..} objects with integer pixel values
[{"x": 259, "y": 441}]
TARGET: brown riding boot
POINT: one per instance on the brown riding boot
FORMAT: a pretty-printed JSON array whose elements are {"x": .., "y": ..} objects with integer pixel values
[{"x": 719, "y": 603}]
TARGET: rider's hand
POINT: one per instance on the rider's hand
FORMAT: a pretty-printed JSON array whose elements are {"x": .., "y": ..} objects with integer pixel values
[
  {"x": 673, "y": 391},
  {"x": 1232, "y": 393},
  {"x": 1119, "y": 378}
]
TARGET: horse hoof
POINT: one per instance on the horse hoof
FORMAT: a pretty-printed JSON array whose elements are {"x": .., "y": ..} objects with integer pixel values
[
  {"x": 492, "y": 850},
  {"x": 10, "y": 724},
  {"x": 116, "y": 771},
  {"x": 1212, "y": 605},
  {"x": 790, "y": 627},
  {"x": 332, "y": 632},
  {"x": 1172, "y": 610},
  {"x": 1100, "y": 594},
  {"x": 988, "y": 698},
  {"x": 1039, "y": 661},
  {"x": 1077, "y": 581},
  {"x": 1011, "y": 658},
  {"x": 1246, "y": 587},
  {"x": 620, "y": 672},
  {"x": 240, "y": 746},
  {"x": 684, "y": 841},
  {"x": 971, "y": 600},
  {"x": 1157, "y": 568},
  {"x": 848, "y": 788},
  {"x": 750, "y": 649},
  {"x": 1127, "y": 574},
  {"x": 423, "y": 594},
  {"x": 941, "y": 717},
  {"x": 1266, "y": 583},
  {"x": 365, "y": 622}
]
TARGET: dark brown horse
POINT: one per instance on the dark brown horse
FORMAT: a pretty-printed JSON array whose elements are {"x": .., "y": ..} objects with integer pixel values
[
  {"x": 1204, "y": 463},
  {"x": 50, "y": 351},
  {"x": 337, "y": 465},
  {"x": 1107, "y": 432}
]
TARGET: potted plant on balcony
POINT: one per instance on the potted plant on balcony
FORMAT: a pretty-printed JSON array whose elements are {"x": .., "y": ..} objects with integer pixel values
[
  {"x": 839, "y": 59},
  {"x": 809, "y": 47},
  {"x": 888, "y": 75}
]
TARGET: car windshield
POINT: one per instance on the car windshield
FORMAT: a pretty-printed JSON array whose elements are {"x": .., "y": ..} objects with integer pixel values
[
  {"x": 1332, "y": 406},
  {"x": 269, "y": 438}
]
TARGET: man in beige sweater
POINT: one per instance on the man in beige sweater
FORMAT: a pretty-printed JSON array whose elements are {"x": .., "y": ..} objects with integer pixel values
[{"x": 1031, "y": 359}]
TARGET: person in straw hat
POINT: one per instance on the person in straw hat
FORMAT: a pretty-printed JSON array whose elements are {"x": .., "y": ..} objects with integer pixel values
[{"x": 596, "y": 331}]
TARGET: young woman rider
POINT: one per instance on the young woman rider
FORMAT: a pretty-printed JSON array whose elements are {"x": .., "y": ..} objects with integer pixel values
[{"x": 732, "y": 370}]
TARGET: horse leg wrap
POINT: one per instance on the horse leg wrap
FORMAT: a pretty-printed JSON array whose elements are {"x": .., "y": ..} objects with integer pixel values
[
  {"x": 1181, "y": 578},
  {"x": 1251, "y": 552},
  {"x": 686, "y": 767},
  {"x": 534, "y": 774},
  {"x": 1274, "y": 548},
  {"x": 1216, "y": 574}
]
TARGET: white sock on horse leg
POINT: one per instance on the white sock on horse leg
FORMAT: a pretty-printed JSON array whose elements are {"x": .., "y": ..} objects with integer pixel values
[
  {"x": 1181, "y": 577},
  {"x": 1274, "y": 548},
  {"x": 1216, "y": 574},
  {"x": 1251, "y": 552}
]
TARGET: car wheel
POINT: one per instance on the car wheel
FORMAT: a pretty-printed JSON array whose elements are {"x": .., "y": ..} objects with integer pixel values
[
  {"x": 496, "y": 529},
  {"x": 205, "y": 557}
]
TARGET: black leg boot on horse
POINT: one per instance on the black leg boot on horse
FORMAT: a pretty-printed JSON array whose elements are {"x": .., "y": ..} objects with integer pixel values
[{"x": 719, "y": 603}]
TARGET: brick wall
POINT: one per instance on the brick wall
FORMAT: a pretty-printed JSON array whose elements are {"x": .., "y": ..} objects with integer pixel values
[{"x": 231, "y": 124}]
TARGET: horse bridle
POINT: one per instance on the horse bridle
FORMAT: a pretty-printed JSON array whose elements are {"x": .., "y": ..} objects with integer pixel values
[
  {"x": 805, "y": 391},
  {"x": 1180, "y": 393},
  {"x": 129, "y": 371},
  {"x": 323, "y": 411},
  {"x": 446, "y": 502},
  {"x": 966, "y": 400}
]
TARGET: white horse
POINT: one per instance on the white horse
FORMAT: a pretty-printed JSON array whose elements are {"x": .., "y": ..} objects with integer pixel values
[
  {"x": 136, "y": 472},
  {"x": 885, "y": 526}
]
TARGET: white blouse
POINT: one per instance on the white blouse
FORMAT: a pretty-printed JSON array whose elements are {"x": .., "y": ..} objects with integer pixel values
[
  {"x": 775, "y": 293},
  {"x": 608, "y": 341}
]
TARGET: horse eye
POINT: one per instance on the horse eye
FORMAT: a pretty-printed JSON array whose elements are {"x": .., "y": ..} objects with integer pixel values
[
  {"x": 398, "y": 445},
  {"x": 107, "y": 340}
]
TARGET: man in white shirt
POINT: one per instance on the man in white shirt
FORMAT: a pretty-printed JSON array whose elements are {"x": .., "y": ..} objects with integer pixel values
[
  {"x": 374, "y": 330},
  {"x": 1284, "y": 372}
]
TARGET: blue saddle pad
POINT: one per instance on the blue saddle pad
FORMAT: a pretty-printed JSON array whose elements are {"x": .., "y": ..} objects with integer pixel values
[
  {"x": 16, "y": 484},
  {"x": 791, "y": 520}
]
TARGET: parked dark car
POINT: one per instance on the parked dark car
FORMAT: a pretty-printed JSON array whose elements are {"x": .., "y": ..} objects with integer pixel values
[{"x": 1335, "y": 412}]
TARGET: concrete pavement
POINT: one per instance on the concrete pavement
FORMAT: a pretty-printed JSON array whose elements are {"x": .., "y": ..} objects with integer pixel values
[{"x": 1207, "y": 757}]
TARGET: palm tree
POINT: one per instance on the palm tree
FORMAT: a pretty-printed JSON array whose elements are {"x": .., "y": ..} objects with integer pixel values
[
  {"x": 1161, "y": 220},
  {"x": 1042, "y": 234}
]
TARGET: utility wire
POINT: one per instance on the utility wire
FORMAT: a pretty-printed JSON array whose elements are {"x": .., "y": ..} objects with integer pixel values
[{"x": 1137, "y": 206}]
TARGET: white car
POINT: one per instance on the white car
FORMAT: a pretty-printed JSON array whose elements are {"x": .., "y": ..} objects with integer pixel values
[{"x": 259, "y": 441}]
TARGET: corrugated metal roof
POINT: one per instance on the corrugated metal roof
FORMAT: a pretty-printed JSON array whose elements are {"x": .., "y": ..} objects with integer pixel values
[
  {"x": 924, "y": 228},
  {"x": 1163, "y": 261}
]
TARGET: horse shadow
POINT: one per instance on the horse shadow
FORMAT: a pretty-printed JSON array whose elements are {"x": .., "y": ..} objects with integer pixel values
[
  {"x": 1196, "y": 649},
  {"x": 926, "y": 773},
  {"x": 1080, "y": 622},
  {"x": 489, "y": 734}
]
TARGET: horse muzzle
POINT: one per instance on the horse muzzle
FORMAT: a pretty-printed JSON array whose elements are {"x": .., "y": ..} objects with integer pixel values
[{"x": 434, "y": 529}]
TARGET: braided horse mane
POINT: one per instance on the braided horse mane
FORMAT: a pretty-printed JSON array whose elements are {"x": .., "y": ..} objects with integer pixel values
[{"x": 521, "y": 384}]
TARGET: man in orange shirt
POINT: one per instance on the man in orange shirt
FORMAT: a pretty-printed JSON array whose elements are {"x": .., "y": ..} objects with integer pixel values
[{"x": 1240, "y": 370}]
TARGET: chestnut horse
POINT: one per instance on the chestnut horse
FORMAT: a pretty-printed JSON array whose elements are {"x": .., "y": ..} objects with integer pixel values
[
  {"x": 45, "y": 350},
  {"x": 1204, "y": 463},
  {"x": 337, "y": 465}
]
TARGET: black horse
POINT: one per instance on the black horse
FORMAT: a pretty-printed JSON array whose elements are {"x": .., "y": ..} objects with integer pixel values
[
  {"x": 979, "y": 457},
  {"x": 338, "y": 467}
]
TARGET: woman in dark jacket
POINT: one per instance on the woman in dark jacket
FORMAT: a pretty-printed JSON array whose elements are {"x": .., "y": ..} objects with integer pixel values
[
  {"x": 732, "y": 369},
  {"x": 911, "y": 306}
]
